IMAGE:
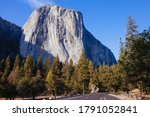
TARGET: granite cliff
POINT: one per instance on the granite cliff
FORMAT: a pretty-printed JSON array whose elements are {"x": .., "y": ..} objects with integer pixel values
[{"x": 53, "y": 30}]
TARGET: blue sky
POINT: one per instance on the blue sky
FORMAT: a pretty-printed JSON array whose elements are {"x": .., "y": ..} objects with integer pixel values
[{"x": 105, "y": 19}]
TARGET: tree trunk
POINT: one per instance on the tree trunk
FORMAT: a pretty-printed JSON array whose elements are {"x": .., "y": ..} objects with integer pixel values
[{"x": 33, "y": 97}]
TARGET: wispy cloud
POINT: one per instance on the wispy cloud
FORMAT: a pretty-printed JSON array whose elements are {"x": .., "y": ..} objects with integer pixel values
[{"x": 39, "y": 3}]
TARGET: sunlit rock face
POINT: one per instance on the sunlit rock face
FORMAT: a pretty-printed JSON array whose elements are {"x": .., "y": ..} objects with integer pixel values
[{"x": 53, "y": 30}]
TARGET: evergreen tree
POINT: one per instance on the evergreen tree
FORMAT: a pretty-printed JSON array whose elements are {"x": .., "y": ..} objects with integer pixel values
[
  {"x": 91, "y": 70},
  {"x": 14, "y": 78},
  {"x": 93, "y": 76},
  {"x": 46, "y": 66},
  {"x": 83, "y": 73},
  {"x": 137, "y": 66},
  {"x": 29, "y": 66},
  {"x": 65, "y": 77},
  {"x": 136, "y": 57},
  {"x": 4, "y": 81},
  {"x": 1, "y": 73},
  {"x": 131, "y": 27},
  {"x": 1, "y": 67},
  {"x": 17, "y": 62},
  {"x": 7, "y": 69},
  {"x": 24, "y": 88},
  {"x": 121, "y": 66},
  {"x": 104, "y": 78},
  {"x": 36, "y": 84},
  {"x": 67, "y": 73},
  {"x": 124, "y": 60},
  {"x": 75, "y": 84},
  {"x": 54, "y": 83},
  {"x": 51, "y": 83},
  {"x": 40, "y": 64},
  {"x": 116, "y": 82}
]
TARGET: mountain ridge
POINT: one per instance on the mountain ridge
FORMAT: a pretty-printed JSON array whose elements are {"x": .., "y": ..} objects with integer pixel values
[{"x": 10, "y": 35}]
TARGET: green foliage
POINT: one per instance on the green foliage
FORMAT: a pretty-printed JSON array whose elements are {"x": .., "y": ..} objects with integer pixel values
[
  {"x": 47, "y": 64},
  {"x": 133, "y": 64},
  {"x": 7, "y": 64},
  {"x": 109, "y": 79},
  {"x": 2, "y": 65},
  {"x": 137, "y": 63},
  {"x": 93, "y": 74},
  {"x": 54, "y": 83},
  {"x": 17, "y": 62},
  {"x": 131, "y": 27},
  {"x": 23, "y": 87},
  {"x": 36, "y": 84},
  {"x": 75, "y": 84},
  {"x": 40, "y": 64},
  {"x": 13, "y": 79},
  {"x": 29, "y": 67},
  {"x": 67, "y": 74},
  {"x": 83, "y": 73},
  {"x": 51, "y": 83}
]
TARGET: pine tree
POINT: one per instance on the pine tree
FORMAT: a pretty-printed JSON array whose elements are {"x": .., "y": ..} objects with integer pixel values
[
  {"x": 136, "y": 54},
  {"x": 17, "y": 62},
  {"x": 54, "y": 83},
  {"x": 131, "y": 27},
  {"x": 103, "y": 77},
  {"x": 27, "y": 71},
  {"x": 116, "y": 82},
  {"x": 51, "y": 83},
  {"x": 40, "y": 66},
  {"x": 24, "y": 88},
  {"x": 29, "y": 67},
  {"x": 137, "y": 67},
  {"x": 83, "y": 72},
  {"x": 14, "y": 77},
  {"x": 1, "y": 67},
  {"x": 124, "y": 61},
  {"x": 91, "y": 69},
  {"x": 65, "y": 76},
  {"x": 121, "y": 66},
  {"x": 6, "y": 69},
  {"x": 7, "y": 64},
  {"x": 1, "y": 73},
  {"x": 91, "y": 74},
  {"x": 4, "y": 81},
  {"x": 56, "y": 67},
  {"x": 67, "y": 72},
  {"x": 75, "y": 85},
  {"x": 36, "y": 84},
  {"x": 46, "y": 66}
]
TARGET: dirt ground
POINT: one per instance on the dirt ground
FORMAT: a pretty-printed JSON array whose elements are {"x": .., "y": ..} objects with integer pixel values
[{"x": 133, "y": 95}]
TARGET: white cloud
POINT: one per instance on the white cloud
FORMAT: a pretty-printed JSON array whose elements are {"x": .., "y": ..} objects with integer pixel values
[{"x": 39, "y": 3}]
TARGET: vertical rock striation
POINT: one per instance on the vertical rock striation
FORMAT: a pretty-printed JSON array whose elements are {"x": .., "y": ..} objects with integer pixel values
[{"x": 53, "y": 30}]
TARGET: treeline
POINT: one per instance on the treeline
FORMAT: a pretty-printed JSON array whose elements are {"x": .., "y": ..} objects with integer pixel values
[{"x": 30, "y": 78}]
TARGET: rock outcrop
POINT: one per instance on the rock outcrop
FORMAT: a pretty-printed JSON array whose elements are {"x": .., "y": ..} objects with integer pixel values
[{"x": 53, "y": 30}]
